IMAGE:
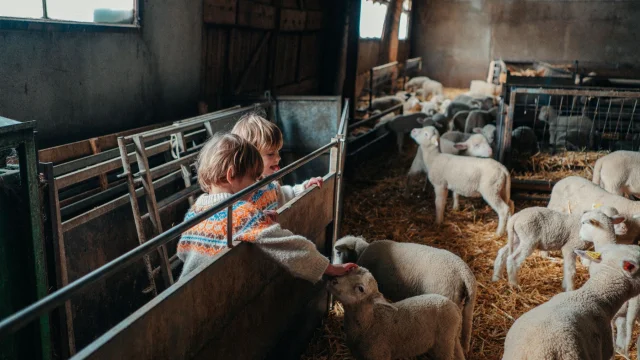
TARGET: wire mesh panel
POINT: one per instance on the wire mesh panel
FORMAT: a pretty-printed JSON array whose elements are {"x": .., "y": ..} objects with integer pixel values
[{"x": 558, "y": 120}]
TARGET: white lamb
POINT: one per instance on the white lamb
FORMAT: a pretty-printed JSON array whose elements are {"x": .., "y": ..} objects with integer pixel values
[
  {"x": 415, "y": 83},
  {"x": 479, "y": 87},
  {"x": 577, "y": 194},
  {"x": 570, "y": 132},
  {"x": 464, "y": 176},
  {"x": 432, "y": 87},
  {"x": 619, "y": 173},
  {"x": 379, "y": 330},
  {"x": 538, "y": 228},
  {"x": 576, "y": 324},
  {"x": 429, "y": 107},
  {"x": 404, "y": 270}
]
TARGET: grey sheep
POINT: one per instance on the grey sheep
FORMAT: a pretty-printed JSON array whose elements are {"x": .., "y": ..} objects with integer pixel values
[
  {"x": 464, "y": 176},
  {"x": 576, "y": 324},
  {"x": 379, "y": 330},
  {"x": 477, "y": 119},
  {"x": 455, "y": 107},
  {"x": 619, "y": 173},
  {"x": 415, "y": 83},
  {"x": 440, "y": 120},
  {"x": 570, "y": 132},
  {"x": 576, "y": 194},
  {"x": 458, "y": 121},
  {"x": 524, "y": 140},
  {"x": 538, "y": 228},
  {"x": 385, "y": 102},
  {"x": 481, "y": 102},
  {"x": 404, "y": 270},
  {"x": 403, "y": 124}
]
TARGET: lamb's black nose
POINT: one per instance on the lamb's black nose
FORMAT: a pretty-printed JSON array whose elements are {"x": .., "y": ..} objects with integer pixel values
[{"x": 334, "y": 281}]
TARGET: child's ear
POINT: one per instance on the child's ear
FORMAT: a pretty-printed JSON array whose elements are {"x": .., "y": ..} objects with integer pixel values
[{"x": 231, "y": 174}]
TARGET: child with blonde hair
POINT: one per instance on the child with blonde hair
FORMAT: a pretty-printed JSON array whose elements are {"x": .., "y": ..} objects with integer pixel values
[
  {"x": 267, "y": 138},
  {"x": 226, "y": 165}
]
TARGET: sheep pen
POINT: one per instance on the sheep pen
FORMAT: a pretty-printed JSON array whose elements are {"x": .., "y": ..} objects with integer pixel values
[{"x": 375, "y": 209}]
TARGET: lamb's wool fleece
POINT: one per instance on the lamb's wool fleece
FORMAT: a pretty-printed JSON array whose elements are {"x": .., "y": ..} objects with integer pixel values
[
  {"x": 575, "y": 194},
  {"x": 432, "y": 87},
  {"x": 415, "y": 83},
  {"x": 385, "y": 102},
  {"x": 403, "y": 270},
  {"x": 470, "y": 177},
  {"x": 576, "y": 325},
  {"x": 379, "y": 330},
  {"x": 539, "y": 228},
  {"x": 618, "y": 172}
]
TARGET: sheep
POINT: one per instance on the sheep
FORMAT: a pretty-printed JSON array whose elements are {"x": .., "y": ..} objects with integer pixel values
[
  {"x": 415, "y": 83},
  {"x": 544, "y": 229},
  {"x": 385, "y": 102},
  {"x": 475, "y": 145},
  {"x": 439, "y": 119},
  {"x": 479, "y": 87},
  {"x": 570, "y": 132},
  {"x": 429, "y": 108},
  {"x": 411, "y": 105},
  {"x": 524, "y": 140},
  {"x": 577, "y": 194},
  {"x": 489, "y": 131},
  {"x": 619, "y": 173},
  {"x": 576, "y": 324},
  {"x": 403, "y": 124},
  {"x": 477, "y": 119},
  {"x": 464, "y": 176},
  {"x": 404, "y": 270},
  {"x": 378, "y": 330},
  {"x": 458, "y": 121},
  {"x": 455, "y": 107},
  {"x": 444, "y": 105},
  {"x": 432, "y": 87}
]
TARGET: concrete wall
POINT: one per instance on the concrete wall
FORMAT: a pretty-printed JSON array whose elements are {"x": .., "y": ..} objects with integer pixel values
[
  {"x": 83, "y": 84},
  {"x": 457, "y": 39}
]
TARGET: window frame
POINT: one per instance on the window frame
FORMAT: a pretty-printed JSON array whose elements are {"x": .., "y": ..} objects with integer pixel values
[
  {"x": 378, "y": 38},
  {"x": 408, "y": 14},
  {"x": 46, "y": 24}
]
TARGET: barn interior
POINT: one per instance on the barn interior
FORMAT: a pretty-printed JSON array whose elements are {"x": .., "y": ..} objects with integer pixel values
[{"x": 105, "y": 106}]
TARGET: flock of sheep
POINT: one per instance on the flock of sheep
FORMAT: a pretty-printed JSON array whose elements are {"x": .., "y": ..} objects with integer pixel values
[{"x": 434, "y": 291}]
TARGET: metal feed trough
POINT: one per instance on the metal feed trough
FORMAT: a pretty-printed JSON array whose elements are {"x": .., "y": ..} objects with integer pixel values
[
  {"x": 92, "y": 234},
  {"x": 582, "y": 120}
]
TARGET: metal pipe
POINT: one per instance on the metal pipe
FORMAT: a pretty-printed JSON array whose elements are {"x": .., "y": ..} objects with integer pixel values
[
  {"x": 23, "y": 317},
  {"x": 376, "y": 117}
]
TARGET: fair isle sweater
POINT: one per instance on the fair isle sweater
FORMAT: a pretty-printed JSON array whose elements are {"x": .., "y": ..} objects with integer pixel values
[
  {"x": 273, "y": 195},
  {"x": 201, "y": 243}
]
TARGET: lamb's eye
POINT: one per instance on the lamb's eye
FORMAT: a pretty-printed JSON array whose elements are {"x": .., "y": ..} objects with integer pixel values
[{"x": 361, "y": 288}]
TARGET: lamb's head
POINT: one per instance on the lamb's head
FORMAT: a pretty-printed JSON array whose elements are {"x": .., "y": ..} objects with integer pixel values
[
  {"x": 619, "y": 228},
  {"x": 624, "y": 259},
  {"x": 348, "y": 249},
  {"x": 594, "y": 224},
  {"x": 489, "y": 131},
  {"x": 430, "y": 121},
  {"x": 427, "y": 136},
  {"x": 476, "y": 145},
  {"x": 547, "y": 113},
  {"x": 358, "y": 287}
]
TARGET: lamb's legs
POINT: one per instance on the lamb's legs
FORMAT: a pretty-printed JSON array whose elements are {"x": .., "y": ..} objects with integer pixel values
[
  {"x": 446, "y": 348},
  {"x": 459, "y": 352},
  {"x": 544, "y": 254},
  {"x": 632, "y": 313},
  {"x": 569, "y": 260},
  {"x": 441, "y": 201},
  {"x": 456, "y": 201},
  {"x": 467, "y": 325},
  {"x": 515, "y": 260},
  {"x": 621, "y": 335},
  {"x": 500, "y": 262},
  {"x": 501, "y": 208}
]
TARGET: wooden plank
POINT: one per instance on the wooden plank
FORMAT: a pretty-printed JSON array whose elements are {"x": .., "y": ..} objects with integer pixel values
[
  {"x": 252, "y": 62},
  {"x": 313, "y": 20},
  {"x": 220, "y": 11},
  {"x": 292, "y": 20},
  {"x": 95, "y": 148},
  {"x": 256, "y": 15}
]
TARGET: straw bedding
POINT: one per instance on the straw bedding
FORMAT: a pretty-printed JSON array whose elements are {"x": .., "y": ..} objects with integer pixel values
[{"x": 375, "y": 209}]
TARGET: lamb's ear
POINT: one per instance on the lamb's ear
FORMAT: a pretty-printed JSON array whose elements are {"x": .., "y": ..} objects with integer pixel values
[
  {"x": 346, "y": 246},
  {"x": 594, "y": 222},
  {"x": 477, "y": 130},
  {"x": 383, "y": 303},
  {"x": 460, "y": 146},
  {"x": 617, "y": 219},
  {"x": 435, "y": 140},
  {"x": 589, "y": 255}
]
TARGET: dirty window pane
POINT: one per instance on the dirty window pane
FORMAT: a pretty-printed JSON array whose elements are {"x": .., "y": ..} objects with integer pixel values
[
  {"x": 99, "y": 11},
  {"x": 372, "y": 19},
  {"x": 404, "y": 26},
  {"x": 406, "y": 5},
  {"x": 21, "y": 8}
]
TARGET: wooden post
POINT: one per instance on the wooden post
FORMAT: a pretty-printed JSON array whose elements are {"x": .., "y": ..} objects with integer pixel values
[
  {"x": 95, "y": 148},
  {"x": 389, "y": 41},
  {"x": 353, "y": 37}
]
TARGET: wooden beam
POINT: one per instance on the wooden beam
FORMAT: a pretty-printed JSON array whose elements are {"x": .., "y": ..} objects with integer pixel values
[
  {"x": 353, "y": 37},
  {"x": 252, "y": 63}
]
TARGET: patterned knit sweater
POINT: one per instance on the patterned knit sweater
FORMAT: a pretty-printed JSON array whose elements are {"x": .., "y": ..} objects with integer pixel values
[
  {"x": 273, "y": 195},
  {"x": 202, "y": 242}
]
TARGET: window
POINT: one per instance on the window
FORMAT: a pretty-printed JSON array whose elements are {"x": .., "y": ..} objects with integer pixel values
[
  {"x": 371, "y": 19},
  {"x": 403, "y": 32},
  {"x": 86, "y": 11}
]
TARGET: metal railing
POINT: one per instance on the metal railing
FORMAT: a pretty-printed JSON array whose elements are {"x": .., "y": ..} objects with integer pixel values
[{"x": 337, "y": 145}]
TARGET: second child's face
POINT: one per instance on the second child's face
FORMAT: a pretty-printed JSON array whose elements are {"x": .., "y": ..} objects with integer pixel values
[{"x": 271, "y": 160}]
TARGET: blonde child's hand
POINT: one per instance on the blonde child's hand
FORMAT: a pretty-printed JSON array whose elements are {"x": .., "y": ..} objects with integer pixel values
[
  {"x": 314, "y": 181},
  {"x": 340, "y": 269},
  {"x": 271, "y": 214}
]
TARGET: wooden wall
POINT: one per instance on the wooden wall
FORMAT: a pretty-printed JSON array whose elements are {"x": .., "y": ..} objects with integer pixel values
[{"x": 251, "y": 46}]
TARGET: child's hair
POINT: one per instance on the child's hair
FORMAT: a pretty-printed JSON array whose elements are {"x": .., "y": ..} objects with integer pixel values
[
  {"x": 260, "y": 132},
  {"x": 224, "y": 151}
]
